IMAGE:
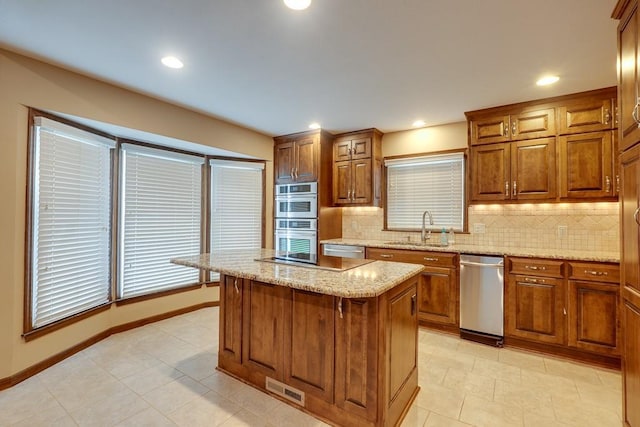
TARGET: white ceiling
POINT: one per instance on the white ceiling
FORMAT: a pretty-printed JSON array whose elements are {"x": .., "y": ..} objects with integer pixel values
[{"x": 348, "y": 64}]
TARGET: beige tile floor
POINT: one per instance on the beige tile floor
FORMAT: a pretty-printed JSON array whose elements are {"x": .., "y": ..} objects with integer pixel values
[{"x": 163, "y": 374}]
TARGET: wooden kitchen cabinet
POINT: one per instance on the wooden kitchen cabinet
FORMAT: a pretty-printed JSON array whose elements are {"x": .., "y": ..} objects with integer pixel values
[
  {"x": 297, "y": 157},
  {"x": 593, "y": 310},
  {"x": 586, "y": 165},
  {"x": 438, "y": 288},
  {"x": 230, "y": 328},
  {"x": 522, "y": 170},
  {"x": 357, "y": 168},
  {"x": 514, "y": 126},
  {"x": 588, "y": 114},
  {"x": 628, "y": 73}
]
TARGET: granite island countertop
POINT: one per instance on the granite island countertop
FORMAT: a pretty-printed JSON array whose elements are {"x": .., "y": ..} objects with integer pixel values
[
  {"x": 369, "y": 280},
  {"x": 566, "y": 254}
]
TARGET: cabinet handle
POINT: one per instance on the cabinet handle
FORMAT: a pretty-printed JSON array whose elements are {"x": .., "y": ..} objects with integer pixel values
[
  {"x": 296, "y": 174},
  {"x": 607, "y": 184},
  {"x": 235, "y": 285},
  {"x": 386, "y": 256},
  {"x": 514, "y": 128},
  {"x": 564, "y": 310},
  {"x": 349, "y": 195},
  {"x": 535, "y": 267},
  {"x": 607, "y": 116},
  {"x": 634, "y": 113},
  {"x": 617, "y": 183},
  {"x": 292, "y": 175},
  {"x": 635, "y": 215},
  {"x": 596, "y": 273},
  {"x": 430, "y": 259},
  {"x": 513, "y": 189},
  {"x": 506, "y": 188},
  {"x": 413, "y": 305},
  {"x": 340, "y": 307},
  {"x": 505, "y": 131},
  {"x": 530, "y": 280}
]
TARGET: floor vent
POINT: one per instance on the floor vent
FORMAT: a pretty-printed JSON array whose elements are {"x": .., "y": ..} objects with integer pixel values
[{"x": 285, "y": 391}]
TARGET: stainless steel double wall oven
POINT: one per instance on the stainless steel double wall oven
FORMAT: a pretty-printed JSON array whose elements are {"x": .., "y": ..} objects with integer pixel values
[{"x": 296, "y": 221}]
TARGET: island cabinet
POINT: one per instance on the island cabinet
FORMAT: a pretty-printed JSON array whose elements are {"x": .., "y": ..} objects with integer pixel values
[
  {"x": 357, "y": 168},
  {"x": 350, "y": 361},
  {"x": 523, "y": 170},
  {"x": 438, "y": 287},
  {"x": 297, "y": 157},
  {"x": 552, "y": 149}
]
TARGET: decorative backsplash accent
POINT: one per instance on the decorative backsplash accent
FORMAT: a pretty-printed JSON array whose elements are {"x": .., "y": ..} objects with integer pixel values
[{"x": 589, "y": 226}]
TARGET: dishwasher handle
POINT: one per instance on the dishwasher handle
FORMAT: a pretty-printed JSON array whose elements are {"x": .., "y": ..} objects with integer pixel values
[{"x": 480, "y": 264}]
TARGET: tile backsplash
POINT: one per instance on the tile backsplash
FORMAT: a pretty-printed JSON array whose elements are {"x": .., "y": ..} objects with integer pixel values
[{"x": 573, "y": 226}]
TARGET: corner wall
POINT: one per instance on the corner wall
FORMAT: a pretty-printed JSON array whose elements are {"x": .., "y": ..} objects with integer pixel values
[{"x": 24, "y": 83}]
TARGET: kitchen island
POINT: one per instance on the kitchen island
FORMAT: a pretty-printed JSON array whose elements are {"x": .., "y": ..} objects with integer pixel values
[{"x": 338, "y": 342}]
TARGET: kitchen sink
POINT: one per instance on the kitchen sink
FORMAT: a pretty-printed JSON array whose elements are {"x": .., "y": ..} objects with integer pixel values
[{"x": 425, "y": 244}]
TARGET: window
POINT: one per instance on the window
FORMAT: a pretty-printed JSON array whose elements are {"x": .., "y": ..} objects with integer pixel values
[
  {"x": 236, "y": 206},
  {"x": 70, "y": 255},
  {"x": 160, "y": 214},
  {"x": 430, "y": 182}
]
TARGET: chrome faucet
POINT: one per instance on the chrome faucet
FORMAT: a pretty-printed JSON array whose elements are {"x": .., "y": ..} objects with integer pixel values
[{"x": 424, "y": 236}]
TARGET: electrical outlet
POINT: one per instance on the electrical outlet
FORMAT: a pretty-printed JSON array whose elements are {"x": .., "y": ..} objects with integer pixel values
[
  {"x": 562, "y": 231},
  {"x": 478, "y": 228}
]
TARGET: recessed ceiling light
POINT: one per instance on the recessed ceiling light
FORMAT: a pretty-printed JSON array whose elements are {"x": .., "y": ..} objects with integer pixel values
[
  {"x": 297, "y": 4},
  {"x": 418, "y": 123},
  {"x": 314, "y": 126},
  {"x": 547, "y": 80},
  {"x": 172, "y": 62}
]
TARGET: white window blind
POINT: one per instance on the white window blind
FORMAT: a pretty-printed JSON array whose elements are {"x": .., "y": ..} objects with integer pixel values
[
  {"x": 71, "y": 221},
  {"x": 160, "y": 217},
  {"x": 434, "y": 183},
  {"x": 236, "y": 206}
]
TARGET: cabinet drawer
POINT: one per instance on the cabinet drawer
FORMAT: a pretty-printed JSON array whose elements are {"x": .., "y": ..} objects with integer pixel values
[
  {"x": 594, "y": 272},
  {"x": 441, "y": 259},
  {"x": 536, "y": 267}
]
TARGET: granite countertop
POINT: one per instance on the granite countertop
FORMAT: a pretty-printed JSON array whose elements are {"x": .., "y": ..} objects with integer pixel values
[
  {"x": 369, "y": 280},
  {"x": 576, "y": 255}
]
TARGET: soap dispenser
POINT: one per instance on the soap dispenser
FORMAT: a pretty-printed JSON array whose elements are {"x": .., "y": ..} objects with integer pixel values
[
  {"x": 443, "y": 237},
  {"x": 452, "y": 236}
]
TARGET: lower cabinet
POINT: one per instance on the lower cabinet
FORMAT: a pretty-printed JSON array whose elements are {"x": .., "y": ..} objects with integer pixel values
[
  {"x": 439, "y": 285},
  {"x": 631, "y": 361},
  {"x": 573, "y": 305},
  {"x": 353, "y": 360}
]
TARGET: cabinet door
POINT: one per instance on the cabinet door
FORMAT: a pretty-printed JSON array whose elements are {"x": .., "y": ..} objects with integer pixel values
[
  {"x": 535, "y": 309},
  {"x": 631, "y": 365},
  {"x": 230, "y": 330},
  {"x": 533, "y": 124},
  {"x": 593, "y": 316},
  {"x": 630, "y": 214},
  {"x": 438, "y": 295},
  {"x": 284, "y": 163},
  {"x": 356, "y": 377},
  {"x": 627, "y": 80},
  {"x": 342, "y": 183},
  {"x": 489, "y": 130},
  {"x": 341, "y": 150},
  {"x": 586, "y": 115},
  {"x": 533, "y": 169},
  {"x": 361, "y": 148},
  {"x": 309, "y": 367},
  {"x": 402, "y": 359},
  {"x": 263, "y": 329},
  {"x": 586, "y": 165},
  {"x": 490, "y": 172},
  {"x": 361, "y": 185},
  {"x": 306, "y": 159}
]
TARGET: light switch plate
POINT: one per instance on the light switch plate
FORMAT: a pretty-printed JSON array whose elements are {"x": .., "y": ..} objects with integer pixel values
[
  {"x": 562, "y": 231},
  {"x": 478, "y": 228}
]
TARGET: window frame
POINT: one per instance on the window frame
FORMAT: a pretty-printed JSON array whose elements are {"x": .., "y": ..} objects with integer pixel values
[
  {"x": 29, "y": 331},
  {"x": 465, "y": 183}
]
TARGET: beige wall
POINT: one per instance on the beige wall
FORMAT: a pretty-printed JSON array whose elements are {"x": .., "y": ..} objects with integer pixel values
[
  {"x": 28, "y": 83},
  {"x": 425, "y": 140}
]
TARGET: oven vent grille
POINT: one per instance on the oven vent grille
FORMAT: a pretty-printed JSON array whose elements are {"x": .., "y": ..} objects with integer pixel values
[{"x": 285, "y": 391}]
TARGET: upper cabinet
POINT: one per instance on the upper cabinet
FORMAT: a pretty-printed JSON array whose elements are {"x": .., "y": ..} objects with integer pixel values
[
  {"x": 628, "y": 73},
  {"x": 554, "y": 149},
  {"x": 357, "y": 168},
  {"x": 297, "y": 158},
  {"x": 537, "y": 123}
]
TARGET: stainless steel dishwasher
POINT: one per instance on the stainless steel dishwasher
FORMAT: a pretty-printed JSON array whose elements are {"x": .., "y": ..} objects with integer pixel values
[{"x": 482, "y": 298}]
